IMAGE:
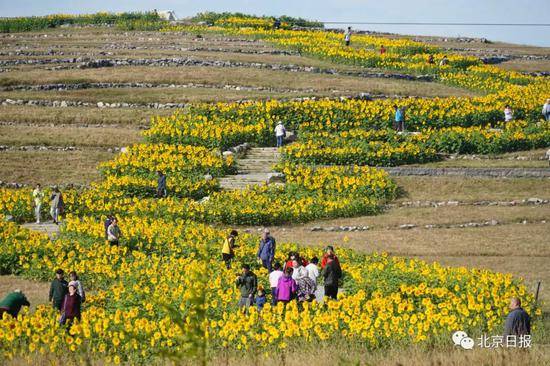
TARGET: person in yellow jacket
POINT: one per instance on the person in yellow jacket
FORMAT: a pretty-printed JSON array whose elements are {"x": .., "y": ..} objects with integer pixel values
[{"x": 228, "y": 249}]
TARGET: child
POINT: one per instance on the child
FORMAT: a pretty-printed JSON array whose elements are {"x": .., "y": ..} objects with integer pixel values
[
  {"x": 260, "y": 298},
  {"x": 274, "y": 281}
]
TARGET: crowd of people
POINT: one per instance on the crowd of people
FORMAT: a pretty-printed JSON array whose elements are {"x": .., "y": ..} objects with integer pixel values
[{"x": 294, "y": 280}]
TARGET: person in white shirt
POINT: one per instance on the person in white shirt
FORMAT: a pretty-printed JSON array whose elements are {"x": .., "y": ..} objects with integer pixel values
[
  {"x": 38, "y": 196},
  {"x": 508, "y": 114},
  {"x": 347, "y": 36},
  {"x": 280, "y": 133},
  {"x": 299, "y": 270},
  {"x": 313, "y": 270},
  {"x": 274, "y": 281}
]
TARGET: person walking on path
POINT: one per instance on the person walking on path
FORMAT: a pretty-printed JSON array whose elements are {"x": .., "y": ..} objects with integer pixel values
[
  {"x": 508, "y": 114},
  {"x": 228, "y": 249},
  {"x": 38, "y": 196},
  {"x": 280, "y": 133},
  {"x": 399, "y": 124},
  {"x": 286, "y": 287},
  {"x": 57, "y": 204},
  {"x": 332, "y": 274},
  {"x": 328, "y": 252},
  {"x": 347, "y": 36},
  {"x": 266, "y": 250},
  {"x": 274, "y": 281},
  {"x": 247, "y": 283},
  {"x": 72, "y": 304},
  {"x": 161, "y": 185},
  {"x": 58, "y": 290},
  {"x": 12, "y": 303},
  {"x": 546, "y": 110},
  {"x": 73, "y": 277},
  {"x": 518, "y": 322}
]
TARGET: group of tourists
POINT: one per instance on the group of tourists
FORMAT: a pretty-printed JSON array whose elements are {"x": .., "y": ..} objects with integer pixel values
[
  {"x": 295, "y": 280},
  {"x": 65, "y": 297},
  {"x": 56, "y": 203}
]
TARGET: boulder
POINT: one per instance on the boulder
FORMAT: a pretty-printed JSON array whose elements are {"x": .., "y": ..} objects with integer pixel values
[{"x": 275, "y": 178}]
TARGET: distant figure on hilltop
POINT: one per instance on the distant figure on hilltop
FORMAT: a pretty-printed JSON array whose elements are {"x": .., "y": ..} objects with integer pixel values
[
  {"x": 276, "y": 23},
  {"x": 508, "y": 114},
  {"x": 546, "y": 110},
  {"x": 12, "y": 303},
  {"x": 347, "y": 36}
]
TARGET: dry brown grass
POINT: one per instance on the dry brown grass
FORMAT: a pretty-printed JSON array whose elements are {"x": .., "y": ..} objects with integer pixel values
[
  {"x": 232, "y": 76},
  {"x": 79, "y": 116},
  {"x": 471, "y": 189},
  {"x": 51, "y": 167},
  {"x": 68, "y": 136},
  {"x": 526, "y": 65}
]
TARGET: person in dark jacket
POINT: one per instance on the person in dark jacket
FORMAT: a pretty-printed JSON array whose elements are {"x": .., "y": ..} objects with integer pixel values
[
  {"x": 518, "y": 322},
  {"x": 12, "y": 303},
  {"x": 266, "y": 250},
  {"x": 161, "y": 185},
  {"x": 58, "y": 290},
  {"x": 332, "y": 274},
  {"x": 71, "y": 306},
  {"x": 247, "y": 284},
  {"x": 107, "y": 223}
]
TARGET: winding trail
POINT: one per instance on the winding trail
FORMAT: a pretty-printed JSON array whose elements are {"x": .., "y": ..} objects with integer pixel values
[{"x": 254, "y": 169}]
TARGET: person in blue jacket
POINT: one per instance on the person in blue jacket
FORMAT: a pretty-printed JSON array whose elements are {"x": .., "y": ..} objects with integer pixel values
[{"x": 266, "y": 250}]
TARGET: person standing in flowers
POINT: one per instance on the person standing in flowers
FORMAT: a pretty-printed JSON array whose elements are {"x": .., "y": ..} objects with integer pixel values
[
  {"x": 58, "y": 290},
  {"x": 347, "y": 36},
  {"x": 508, "y": 114},
  {"x": 280, "y": 133},
  {"x": 72, "y": 304},
  {"x": 305, "y": 286},
  {"x": 286, "y": 287},
  {"x": 399, "y": 124},
  {"x": 38, "y": 196},
  {"x": 266, "y": 250},
  {"x": 274, "y": 281},
  {"x": 518, "y": 322},
  {"x": 228, "y": 249},
  {"x": 313, "y": 270},
  {"x": 73, "y": 277},
  {"x": 161, "y": 185},
  {"x": 107, "y": 223},
  {"x": 382, "y": 50},
  {"x": 329, "y": 251},
  {"x": 12, "y": 303},
  {"x": 444, "y": 61},
  {"x": 546, "y": 110},
  {"x": 114, "y": 233},
  {"x": 332, "y": 274},
  {"x": 247, "y": 283},
  {"x": 56, "y": 202},
  {"x": 260, "y": 298}
]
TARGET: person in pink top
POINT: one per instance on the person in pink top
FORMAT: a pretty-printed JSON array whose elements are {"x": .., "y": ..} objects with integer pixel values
[{"x": 286, "y": 288}]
